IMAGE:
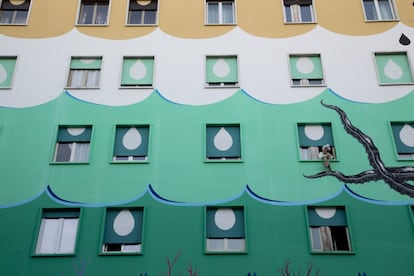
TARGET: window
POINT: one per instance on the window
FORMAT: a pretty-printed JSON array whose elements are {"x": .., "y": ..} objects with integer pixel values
[
  {"x": 379, "y": 10},
  {"x": 84, "y": 72},
  {"x": 58, "y": 231},
  {"x": 123, "y": 230},
  {"x": 221, "y": 71},
  {"x": 142, "y": 12},
  {"x": 306, "y": 70},
  {"x": 137, "y": 72},
  {"x": 312, "y": 137},
  {"x": 220, "y": 12},
  {"x": 299, "y": 11},
  {"x": 14, "y": 12},
  {"x": 225, "y": 229},
  {"x": 328, "y": 229},
  {"x": 131, "y": 143},
  {"x": 7, "y": 65},
  {"x": 73, "y": 144},
  {"x": 223, "y": 142},
  {"x": 393, "y": 68},
  {"x": 93, "y": 12},
  {"x": 404, "y": 139}
]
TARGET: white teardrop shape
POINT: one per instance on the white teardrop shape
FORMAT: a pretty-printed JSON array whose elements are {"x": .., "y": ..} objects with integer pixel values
[
  {"x": 138, "y": 70},
  {"x": 223, "y": 140},
  {"x": 305, "y": 65},
  {"x": 17, "y": 2},
  {"x": 124, "y": 223},
  {"x": 407, "y": 135},
  {"x": 144, "y": 2},
  {"x": 325, "y": 213},
  {"x": 3, "y": 73},
  {"x": 314, "y": 132},
  {"x": 221, "y": 68},
  {"x": 132, "y": 139},
  {"x": 75, "y": 131},
  {"x": 392, "y": 70},
  {"x": 224, "y": 218}
]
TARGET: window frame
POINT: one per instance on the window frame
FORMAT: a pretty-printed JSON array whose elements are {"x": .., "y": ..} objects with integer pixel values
[
  {"x": 101, "y": 249},
  {"x": 297, "y": 8},
  {"x": 56, "y": 145},
  {"x": 13, "y": 73},
  {"x": 334, "y": 150},
  {"x": 128, "y": 16},
  {"x": 351, "y": 244},
  {"x": 393, "y": 10},
  {"x": 40, "y": 231},
  {"x": 305, "y": 82},
  {"x": 223, "y": 159},
  {"x": 14, "y": 15},
  {"x": 399, "y": 156},
  {"x": 220, "y": 13},
  {"x": 84, "y": 76},
  {"x": 80, "y": 6},
  {"x": 225, "y": 240},
  {"x": 224, "y": 84},
  {"x": 400, "y": 53},
  {"x": 137, "y": 86},
  {"x": 131, "y": 159}
]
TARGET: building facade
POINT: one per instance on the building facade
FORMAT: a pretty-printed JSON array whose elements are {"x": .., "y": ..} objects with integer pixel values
[{"x": 206, "y": 137}]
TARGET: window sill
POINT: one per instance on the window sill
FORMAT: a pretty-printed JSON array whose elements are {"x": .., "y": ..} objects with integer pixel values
[
  {"x": 244, "y": 252},
  {"x": 220, "y": 24},
  {"x": 317, "y": 160},
  {"x": 120, "y": 254},
  {"x": 333, "y": 252},
  {"x": 36, "y": 255},
  {"x": 382, "y": 20},
  {"x": 130, "y": 162},
  {"x": 13, "y": 24},
  {"x": 396, "y": 84},
  {"x": 223, "y": 160},
  {"x": 5, "y": 88},
  {"x": 92, "y": 25},
  {"x": 68, "y": 163},
  {"x": 300, "y": 23},
  {"x": 308, "y": 85},
  {"x": 82, "y": 88},
  {"x": 138, "y": 87},
  {"x": 141, "y": 25},
  {"x": 221, "y": 86}
]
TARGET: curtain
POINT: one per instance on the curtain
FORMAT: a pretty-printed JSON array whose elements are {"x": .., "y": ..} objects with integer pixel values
[
  {"x": 81, "y": 152},
  {"x": 213, "y": 12},
  {"x": 228, "y": 13},
  {"x": 385, "y": 9},
  {"x": 92, "y": 79}
]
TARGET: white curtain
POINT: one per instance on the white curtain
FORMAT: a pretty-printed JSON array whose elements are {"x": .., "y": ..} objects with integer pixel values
[
  {"x": 76, "y": 78},
  {"x": 385, "y": 9},
  {"x": 93, "y": 78},
  {"x": 213, "y": 12},
  {"x": 81, "y": 153},
  {"x": 228, "y": 13}
]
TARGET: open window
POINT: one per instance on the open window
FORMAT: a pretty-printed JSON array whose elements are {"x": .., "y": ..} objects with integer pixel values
[
  {"x": 131, "y": 143},
  {"x": 306, "y": 70},
  {"x": 72, "y": 144},
  {"x": 58, "y": 231},
  {"x": 123, "y": 230},
  {"x": 328, "y": 229},
  {"x": 223, "y": 142},
  {"x": 312, "y": 138},
  {"x": 225, "y": 229}
]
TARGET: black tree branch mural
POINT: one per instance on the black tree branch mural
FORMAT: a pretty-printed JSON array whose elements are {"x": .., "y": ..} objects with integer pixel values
[{"x": 395, "y": 177}]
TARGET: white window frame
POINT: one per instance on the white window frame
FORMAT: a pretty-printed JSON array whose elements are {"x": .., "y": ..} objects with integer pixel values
[
  {"x": 225, "y": 245},
  {"x": 125, "y": 248},
  {"x": 58, "y": 237},
  {"x": 15, "y": 13},
  {"x": 378, "y": 11},
  {"x": 94, "y": 15},
  {"x": 220, "y": 12},
  {"x": 85, "y": 73},
  {"x": 142, "y": 19},
  {"x": 296, "y": 15}
]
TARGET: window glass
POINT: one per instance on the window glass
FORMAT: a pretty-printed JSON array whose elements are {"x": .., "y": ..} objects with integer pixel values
[
  {"x": 393, "y": 68},
  {"x": 14, "y": 12},
  {"x": 312, "y": 139},
  {"x": 140, "y": 13},
  {"x": 376, "y": 10},
  {"x": 220, "y": 12},
  {"x": 298, "y": 11},
  {"x": 93, "y": 12},
  {"x": 73, "y": 144},
  {"x": 221, "y": 71},
  {"x": 84, "y": 72},
  {"x": 58, "y": 231}
]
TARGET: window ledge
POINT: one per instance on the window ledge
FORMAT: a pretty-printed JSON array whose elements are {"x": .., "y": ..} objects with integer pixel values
[
  {"x": 92, "y": 25},
  {"x": 396, "y": 84},
  {"x": 13, "y": 24},
  {"x": 141, "y": 25},
  {"x": 36, "y": 255},
  {"x": 382, "y": 20},
  {"x": 130, "y": 162},
  {"x": 223, "y": 161},
  {"x": 138, "y": 87},
  {"x": 220, "y": 24},
  {"x": 317, "y": 160},
  {"x": 5, "y": 88},
  {"x": 225, "y": 252},
  {"x": 68, "y": 163},
  {"x": 300, "y": 23},
  {"x": 307, "y": 86},
  {"x": 120, "y": 254},
  {"x": 333, "y": 252},
  {"x": 221, "y": 86},
  {"x": 82, "y": 88}
]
